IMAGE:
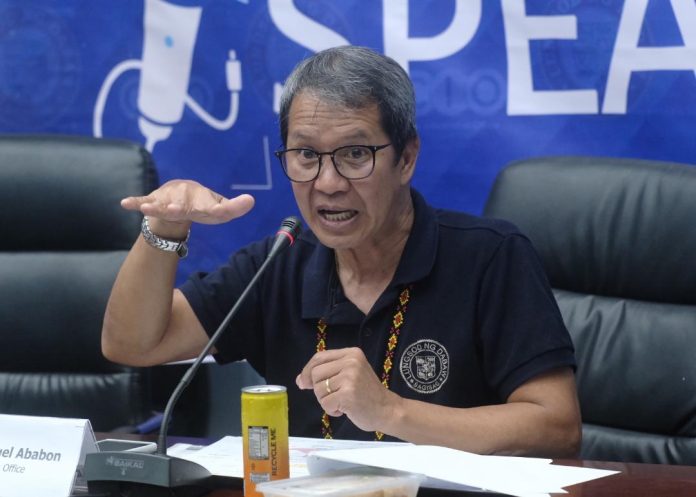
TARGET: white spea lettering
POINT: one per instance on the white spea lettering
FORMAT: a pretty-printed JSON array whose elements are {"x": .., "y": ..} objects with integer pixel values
[
  {"x": 521, "y": 31},
  {"x": 38, "y": 455},
  {"x": 628, "y": 57}
]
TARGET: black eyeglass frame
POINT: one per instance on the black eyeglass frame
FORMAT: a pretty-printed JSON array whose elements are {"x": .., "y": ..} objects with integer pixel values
[{"x": 372, "y": 148}]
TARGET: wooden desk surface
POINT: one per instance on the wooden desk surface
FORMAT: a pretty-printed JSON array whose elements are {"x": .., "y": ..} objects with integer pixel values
[{"x": 635, "y": 480}]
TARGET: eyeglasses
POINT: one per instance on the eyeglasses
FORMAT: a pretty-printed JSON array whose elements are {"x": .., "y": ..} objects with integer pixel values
[{"x": 302, "y": 165}]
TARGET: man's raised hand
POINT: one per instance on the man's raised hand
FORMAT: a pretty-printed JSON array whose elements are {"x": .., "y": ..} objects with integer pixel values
[{"x": 182, "y": 202}]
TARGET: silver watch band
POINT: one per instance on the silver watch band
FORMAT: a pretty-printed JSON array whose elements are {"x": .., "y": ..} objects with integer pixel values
[{"x": 178, "y": 246}]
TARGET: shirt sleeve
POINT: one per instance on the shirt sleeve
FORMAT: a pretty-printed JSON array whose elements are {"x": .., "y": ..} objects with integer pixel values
[{"x": 522, "y": 333}]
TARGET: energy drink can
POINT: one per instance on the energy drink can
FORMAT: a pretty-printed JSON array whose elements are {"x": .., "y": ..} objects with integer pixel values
[{"x": 264, "y": 436}]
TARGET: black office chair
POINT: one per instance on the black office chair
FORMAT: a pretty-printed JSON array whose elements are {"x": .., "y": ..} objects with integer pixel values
[
  {"x": 63, "y": 239},
  {"x": 618, "y": 240}
]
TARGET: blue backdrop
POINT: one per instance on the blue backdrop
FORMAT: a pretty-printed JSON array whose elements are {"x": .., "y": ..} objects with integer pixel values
[{"x": 496, "y": 80}]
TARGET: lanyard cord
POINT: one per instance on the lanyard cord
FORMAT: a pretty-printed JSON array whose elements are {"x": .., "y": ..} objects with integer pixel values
[{"x": 394, "y": 331}]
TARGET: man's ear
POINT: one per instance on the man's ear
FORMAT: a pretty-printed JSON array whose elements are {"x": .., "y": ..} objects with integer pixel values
[{"x": 408, "y": 160}]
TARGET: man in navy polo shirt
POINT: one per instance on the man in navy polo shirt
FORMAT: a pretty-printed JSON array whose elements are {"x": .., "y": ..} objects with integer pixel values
[{"x": 389, "y": 319}]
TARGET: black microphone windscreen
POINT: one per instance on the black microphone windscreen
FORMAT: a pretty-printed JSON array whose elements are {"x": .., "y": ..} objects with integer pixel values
[
  {"x": 285, "y": 236},
  {"x": 292, "y": 226}
]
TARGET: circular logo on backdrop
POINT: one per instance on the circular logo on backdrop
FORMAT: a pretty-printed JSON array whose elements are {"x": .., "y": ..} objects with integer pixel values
[{"x": 424, "y": 366}]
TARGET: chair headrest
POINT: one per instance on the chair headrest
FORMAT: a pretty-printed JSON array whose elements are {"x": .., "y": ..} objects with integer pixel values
[
  {"x": 63, "y": 192},
  {"x": 606, "y": 226}
]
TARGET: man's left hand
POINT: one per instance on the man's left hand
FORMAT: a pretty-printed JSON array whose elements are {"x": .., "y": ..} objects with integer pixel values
[{"x": 344, "y": 383}]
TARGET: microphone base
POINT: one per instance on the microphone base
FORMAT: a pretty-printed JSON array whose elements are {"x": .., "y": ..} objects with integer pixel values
[{"x": 152, "y": 475}]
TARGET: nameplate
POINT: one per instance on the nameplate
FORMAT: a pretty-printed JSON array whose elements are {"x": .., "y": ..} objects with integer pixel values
[{"x": 40, "y": 455}]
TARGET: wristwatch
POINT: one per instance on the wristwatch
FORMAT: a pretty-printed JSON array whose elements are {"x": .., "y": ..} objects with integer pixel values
[{"x": 178, "y": 246}]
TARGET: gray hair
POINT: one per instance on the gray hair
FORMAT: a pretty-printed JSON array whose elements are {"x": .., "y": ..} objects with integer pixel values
[{"x": 355, "y": 78}]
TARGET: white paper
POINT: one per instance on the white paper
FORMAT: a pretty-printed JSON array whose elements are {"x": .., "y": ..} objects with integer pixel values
[
  {"x": 39, "y": 455},
  {"x": 445, "y": 468},
  {"x": 225, "y": 457},
  {"x": 449, "y": 468}
]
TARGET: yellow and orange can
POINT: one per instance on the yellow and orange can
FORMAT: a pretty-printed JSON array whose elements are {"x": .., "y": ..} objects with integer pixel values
[{"x": 264, "y": 436}]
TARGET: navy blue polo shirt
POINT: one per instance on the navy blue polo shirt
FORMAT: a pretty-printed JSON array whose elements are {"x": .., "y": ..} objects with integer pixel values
[{"x": 481, "y": 319}]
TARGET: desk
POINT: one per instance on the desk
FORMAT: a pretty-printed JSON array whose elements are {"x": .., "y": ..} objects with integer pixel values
[{"x": 635, "y": 480}]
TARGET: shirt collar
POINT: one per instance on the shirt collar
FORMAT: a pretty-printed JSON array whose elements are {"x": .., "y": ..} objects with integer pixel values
[{"x": 417, "y": 261}]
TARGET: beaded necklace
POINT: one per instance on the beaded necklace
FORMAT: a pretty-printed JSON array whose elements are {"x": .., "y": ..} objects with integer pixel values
[{"x": 394, "y": 330}]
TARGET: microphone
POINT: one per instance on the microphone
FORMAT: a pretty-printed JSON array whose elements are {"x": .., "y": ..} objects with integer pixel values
[
  {"x": 285, "y": 236},
  {"x": 119, "y": 473}
]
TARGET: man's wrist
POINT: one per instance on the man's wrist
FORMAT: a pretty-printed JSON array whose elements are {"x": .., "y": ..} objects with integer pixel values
[
  {"x": 170, "y": 230},
  {"x": 166, "y": 244},
  {"x": 396, "y": 414}
]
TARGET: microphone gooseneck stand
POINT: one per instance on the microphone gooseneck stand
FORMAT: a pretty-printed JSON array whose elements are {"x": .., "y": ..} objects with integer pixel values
[{"x": 126, "y": 474}]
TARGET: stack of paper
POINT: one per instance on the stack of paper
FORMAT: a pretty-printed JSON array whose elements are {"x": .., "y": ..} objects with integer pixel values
[
  {"x": 445, "y": 468},
  {"x": 456, "y": 469}
]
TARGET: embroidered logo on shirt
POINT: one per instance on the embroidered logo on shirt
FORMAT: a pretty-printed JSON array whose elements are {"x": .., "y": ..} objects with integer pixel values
[{"x": 424, "y": 366}]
